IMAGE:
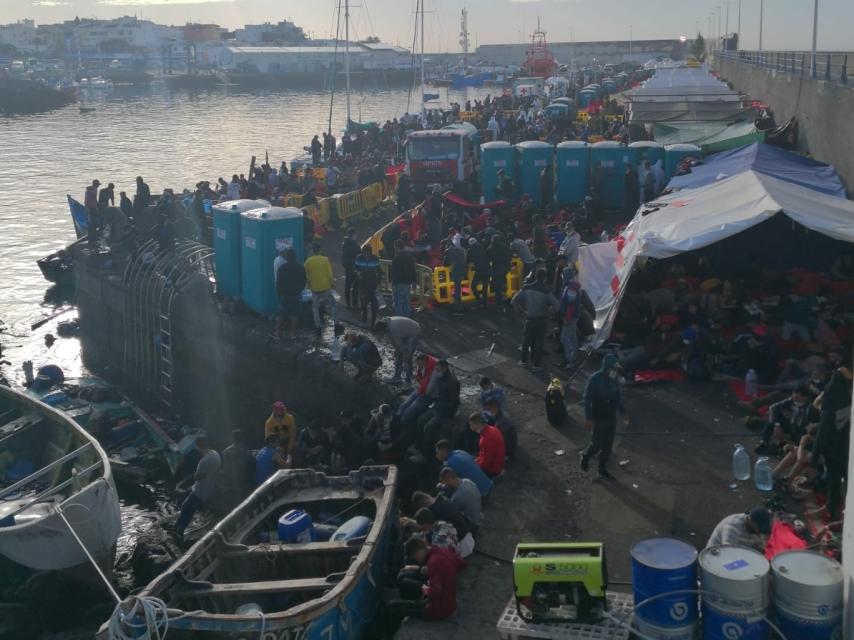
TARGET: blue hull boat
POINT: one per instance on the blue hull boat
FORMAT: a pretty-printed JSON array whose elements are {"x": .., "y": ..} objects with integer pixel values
[
  {"x": 242, "y": 581},
  {"x": 79, "y": 216}
]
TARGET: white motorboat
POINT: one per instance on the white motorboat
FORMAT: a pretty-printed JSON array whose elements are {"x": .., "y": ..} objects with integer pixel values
[{"x": 57, "y": 493}]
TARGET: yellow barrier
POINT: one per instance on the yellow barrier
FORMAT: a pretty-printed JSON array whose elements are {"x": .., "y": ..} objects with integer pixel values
[
  {"x": 582, "y": 116},
  {"x": 291, "y": 200},
  {"x": 372, "y": 196},
  {"x": 423, "y": 290},
  {"x": 443, "y": 284}
]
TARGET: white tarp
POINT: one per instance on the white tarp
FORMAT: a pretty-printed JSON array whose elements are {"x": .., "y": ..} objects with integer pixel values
[{"x": 696, "y": 218}]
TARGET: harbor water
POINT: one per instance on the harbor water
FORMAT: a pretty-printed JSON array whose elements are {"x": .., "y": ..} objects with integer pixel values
[{"x": 174, "y": 139}]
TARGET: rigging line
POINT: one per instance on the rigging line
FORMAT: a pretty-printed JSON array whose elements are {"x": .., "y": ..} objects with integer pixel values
[
  {"x": 412, "y": 57},
  {"x": 334, "y": 69}
]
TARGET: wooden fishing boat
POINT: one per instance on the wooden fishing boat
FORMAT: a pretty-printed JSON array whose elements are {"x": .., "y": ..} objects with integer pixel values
[
  {"x": 54, "y": 477},
  {"x": 239, "y": 580}
]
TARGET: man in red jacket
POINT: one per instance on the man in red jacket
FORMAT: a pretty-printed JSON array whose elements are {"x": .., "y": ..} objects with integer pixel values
[
  {"x": 491, "y": 448},
  {"x": 437, "y": 598}
]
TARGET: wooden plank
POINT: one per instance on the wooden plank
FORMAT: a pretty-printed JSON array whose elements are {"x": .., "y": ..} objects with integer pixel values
[
  {"x": 271, "y": 586},
  {"x": 297, "y": 549}
]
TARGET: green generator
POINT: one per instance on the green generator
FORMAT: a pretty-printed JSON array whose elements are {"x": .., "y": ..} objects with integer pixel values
[{"x": 560, "y": 581}]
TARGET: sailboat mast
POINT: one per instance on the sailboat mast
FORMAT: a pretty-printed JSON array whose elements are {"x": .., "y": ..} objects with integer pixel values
[
  {"x": 347, "y": 55},
  {"x": 423, "y": 107}
]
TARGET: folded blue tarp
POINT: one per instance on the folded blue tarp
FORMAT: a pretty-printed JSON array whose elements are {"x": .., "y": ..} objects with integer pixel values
[{"x": 766, "y": 159}]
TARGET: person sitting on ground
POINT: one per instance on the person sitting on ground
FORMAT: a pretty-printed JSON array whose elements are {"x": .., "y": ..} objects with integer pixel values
[
  {"x": 788, "y": 420},
  {"x": 205, "y": 486},
  {"x": 494, "y": 415},
  {"x": 283, "y": 425},
  {"x": 464, "y": 465},
  {"x": 444, "y": 395},
  {"x": 437, "y": 533},
  {"x": 351, "y": 438},
  {"x": 418, "y": 401},
  {"x": 270, "y": 459},
  {"x": 489, "y": 391},
  {"x": 743, "y": 529},
  {"x": 491, "y": 448},
  {"x": 446, "y": 511},
  {"x": 437, "y": 598},
  {"x": 363, "y": 353},
  {"x": 313, "y": 447},
  {"x": 378, "y": 435},
  {"x": 464, "y": 494},
  {"x": 238, "y": 467}
]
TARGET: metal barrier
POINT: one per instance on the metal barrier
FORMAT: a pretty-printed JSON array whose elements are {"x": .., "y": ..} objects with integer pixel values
[
  {"x": 443, "y": 283},
  {"x": 423, "y": 291},
  {"x": 829, "y": 66}
]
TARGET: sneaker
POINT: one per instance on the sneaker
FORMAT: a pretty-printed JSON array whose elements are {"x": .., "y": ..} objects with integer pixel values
[
  {"x": 585, "y": 463},
  {"x": 417, "y": 458},
  {"x": 605, "y": 474}
]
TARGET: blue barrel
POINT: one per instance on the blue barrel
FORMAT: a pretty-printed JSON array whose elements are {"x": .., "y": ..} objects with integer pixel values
[
  {"x": 585, "y": 97},
  {"x": 495, "y": 156},
  {"x": 296, "y": 526},
  {"x": 265, "y": 232},
  {"x": 662, "y": 565},
  {"x": 608, "y": 160},
  {"x": 573, "y": 171},
  {"x": 226, "y": 223},
  {"x": 355, "y": 527},
  {"x": 674, "y": 153},
  {"x": 532, "y": 157},
  {"x": 735, "y": 593},
  {"x": 808, "y": 595},
  {"x": 648, "y": 150}
]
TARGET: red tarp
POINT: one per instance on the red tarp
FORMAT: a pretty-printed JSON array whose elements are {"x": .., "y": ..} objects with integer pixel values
[
  {"x": 783, "y": 538},
  {"x": 467, "y": 204},
  {"x": 659, "y": 375}
]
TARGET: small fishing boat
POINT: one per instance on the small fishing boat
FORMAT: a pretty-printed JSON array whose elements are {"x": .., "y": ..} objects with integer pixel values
[
  {"x": 243, "y": 579},
  {"x": 56, "y": 491}
]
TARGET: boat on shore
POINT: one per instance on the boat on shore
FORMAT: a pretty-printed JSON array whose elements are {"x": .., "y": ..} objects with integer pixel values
[
  {"x": 266, "y": 571},
  {"x": 23, "y": 96},
  {"x": 54, "y": 477}
]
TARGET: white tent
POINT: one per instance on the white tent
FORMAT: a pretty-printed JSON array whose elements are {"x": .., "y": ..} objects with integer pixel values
[{"x": 696, "y": 218}]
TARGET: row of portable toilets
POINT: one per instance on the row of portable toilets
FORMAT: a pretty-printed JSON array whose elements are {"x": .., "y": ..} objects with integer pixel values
[
  {"x": 577, "y": 166},
  {"x": 801, "y": 592},
  {"x": 248, "y": 234}
]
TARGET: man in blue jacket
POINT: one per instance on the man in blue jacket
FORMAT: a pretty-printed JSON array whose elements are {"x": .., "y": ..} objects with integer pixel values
[{"x": 602, "y": 399}]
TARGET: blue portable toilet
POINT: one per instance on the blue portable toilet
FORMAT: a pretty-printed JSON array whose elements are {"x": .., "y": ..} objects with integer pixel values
[
  {"x": 674, "y": 153},
  {"x": 532, "y": 157},
  {"x": 264, "y": 233},
  {"x": 585, "y": 97},
  {"x": 608, "y": 161},
  {"x": 648, "y": 150},
  {"x": 573, "y": 171},
  {"x": 226, "y": 223},
  {"x": 495, "y": 156}
]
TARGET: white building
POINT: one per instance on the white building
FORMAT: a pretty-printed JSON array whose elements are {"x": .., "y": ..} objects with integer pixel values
[
  {"x": 141, "y": 35},
  {"x": 22, "y": 35},
  {"x": 312, "y": 59}
]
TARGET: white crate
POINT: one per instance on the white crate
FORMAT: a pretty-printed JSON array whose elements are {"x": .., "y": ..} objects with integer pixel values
[{"x": 512, "y": 627}]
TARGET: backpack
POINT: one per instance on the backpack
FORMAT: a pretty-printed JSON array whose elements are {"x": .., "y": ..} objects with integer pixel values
[{"x": 555, "y": 407}]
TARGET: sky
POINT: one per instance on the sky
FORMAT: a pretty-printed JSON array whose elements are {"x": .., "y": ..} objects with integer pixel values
[{"x": 787, "y": 23}]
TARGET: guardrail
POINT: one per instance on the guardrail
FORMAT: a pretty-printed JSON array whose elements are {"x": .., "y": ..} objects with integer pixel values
[{"x": 831, "y": 66}]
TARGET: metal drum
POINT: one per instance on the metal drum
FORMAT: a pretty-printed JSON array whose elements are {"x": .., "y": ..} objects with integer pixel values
[
  {"x": 735, "y": 593},
  {"x": 808, "y": 590},
  {"x": 660, "y": 566}
]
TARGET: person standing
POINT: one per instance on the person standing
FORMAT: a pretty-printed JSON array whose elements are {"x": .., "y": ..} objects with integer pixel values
[
  {"x": 283, "y": 424},
  {"x": 478, "y": 258},
  {"x": 537, "y": 302},
  {"x": 404, "y": 335},
  {"x": 107, "y": 196},
  {"x": 500, "y": 261},
  {"x": 368, "y": 266},
  {"x": 125, "y": 205},
  {"x": 455, "y": 259},
  {"x": 603, "y": 398},
  {"x": 570, "y": 312},
  {"x": 403, "y": 278},
  {"x": 290, "y": 283},
  {"x": 349, "y": 253},
  {"x": 318, "y": 273},
  {"x": 631, "y": 190},
  {"x": 90, "y": 201},
  {"x": 142, "y": 198},
  {"x": 403, "y": 191},
  {"x": 569, "y": 246},
  {"x": 316, "y": 149},
  {"x": 238, "y": 468},
  {"x": 233, "y": 189},
  {"x": 205, "y": 486}
]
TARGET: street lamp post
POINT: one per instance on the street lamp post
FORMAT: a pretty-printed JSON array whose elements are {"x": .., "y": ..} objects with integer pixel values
[
  {"x": 739, "y": 24},
  {"x": 726, "y": 31},
  {"x": 631, "y": 38},
  {"x": 813, "y": 64},
  {"x": 761, "y": 11},
  {"x": 720, "y": 21}
]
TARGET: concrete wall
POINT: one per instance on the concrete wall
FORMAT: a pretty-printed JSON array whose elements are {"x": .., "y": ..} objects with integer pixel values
[
  {"x": 612, "y": 52},
  {"x": 823, "y": 110}
]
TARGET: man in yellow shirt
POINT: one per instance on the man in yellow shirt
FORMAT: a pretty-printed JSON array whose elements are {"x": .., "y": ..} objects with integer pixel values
[
  {"x": 318, "y": 273},
  {"x": 283, "y": 425}
]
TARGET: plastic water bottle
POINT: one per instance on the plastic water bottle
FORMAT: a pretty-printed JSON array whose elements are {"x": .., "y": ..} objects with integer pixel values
[
  {"x": 740, "y": 463},
  {"x": 751, "y": 384},
  {"x": 763, "y": 475},
  {"x": 335, "y": 349}
]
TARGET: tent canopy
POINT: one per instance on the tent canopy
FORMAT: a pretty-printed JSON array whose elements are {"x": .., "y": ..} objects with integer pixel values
[
  {"x": 690, "y": 220},
  {"x": 711, "y": 137},
  {"x": 767, "y": 160},
  {"x": 686, "y": 111}
]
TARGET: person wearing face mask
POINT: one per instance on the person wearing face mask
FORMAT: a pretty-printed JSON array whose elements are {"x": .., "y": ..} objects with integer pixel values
[
  {"x": 788, "y": 420},
  {"x": 603, "y": 398}
]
